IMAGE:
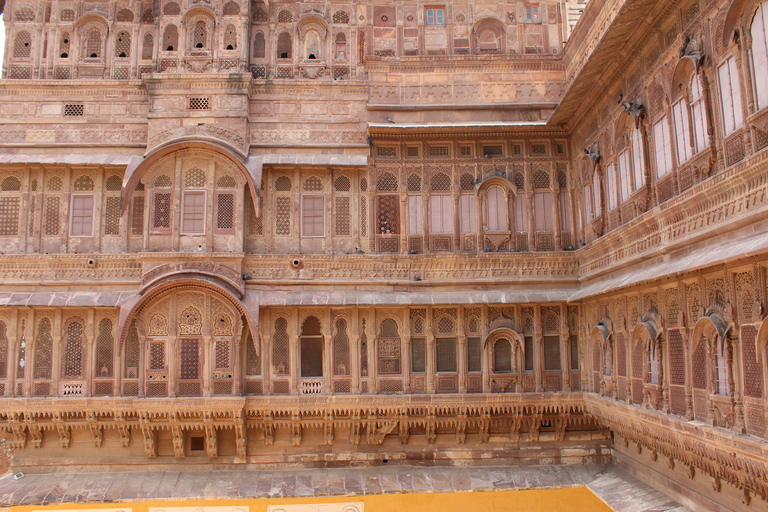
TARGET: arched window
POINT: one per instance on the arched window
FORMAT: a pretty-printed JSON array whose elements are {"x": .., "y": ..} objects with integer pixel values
[
  {"x": 93, "y": 44},
  {"x": 200, "y": 35},
  {"x": 759, "y": 33},
  {"x": 496, "y": 209},
  {"x": 543, "y": 210},
  {"x": 22, "y": 45},
  {"x": 311, "y": 346},
  {"x": 682, "y": 130},
  {"x": 280, "y": 349},
  {"x": 147, "y": 47},
  {"x": 607, "y": 360},
  {"x": 722, "y": 368},
  {"x": 312, "y": 45},
  {"x": 72, "y": 361},
  {"x": 43, "y": 350},
  {"x": 104, "y": 349},
  {"x": 654, "y": 363},
  {"x": 487, "y": 41},
  {"x": 123, "y": 44},
  {"x": 698, "y": 115},
  {"x": 389, "y": 348},
  {"x": 638, "y": 159},
  {"x": 502, "y": 356},
  {"x": 171, "y": 38},
  {"x": 284, "y": 46},
  {"x": 730, "y": 95},
  {"x": 662, "y": 144},
  {"x": 625, "y": 174},
  {"x": 259, "y": 46},
  {"x": 341, "y": 348},
  {"x": 341, "y": 47},
  {"x": 230, "y": 37}
]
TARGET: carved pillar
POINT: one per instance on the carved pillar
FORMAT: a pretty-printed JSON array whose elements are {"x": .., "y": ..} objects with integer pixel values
[
  {"x": 456, "y": 222},
  {"x": 555, "y": 191},
  {"x": 482, "y": 223},
  {"x": 707, "y": 99},
  {"x": 406, "y": 366},
  {"x": 373, "y": 361},
  {"x": 603, "y": 195},
  {"x": 404, "y": 214},
  {"x": 206, "y": 366},
  {"x": 734, "y": 382},
  {"x": 486, "y": 351},
  {"x": 565, "y": 348},
  {"x": 293, "y": 350},
  {"x": 426, "y": 201},
  {"x": 538, "y": 339},
  {"x": 56, "y": 365},
  {"x": 430, "y": 353},
  {"x": 650, "y": 189},
  {"x": 354, "y": 352},
  {"x": 529, "y": 207},
  {"x": 237, "y": 364},
  {"x": 142, "y": 370},
  {"x": 172, "y": 363},
  {"x": 748, "y": 107},
  {"x": 88, "y": 368},
  {"x": 663, "y": 376},
  {"x": 13, "y": 352},
  {"x": 325, "y": 330},
  {"x": 462, "y": 353},
  {"x": 675, "y": 163}
]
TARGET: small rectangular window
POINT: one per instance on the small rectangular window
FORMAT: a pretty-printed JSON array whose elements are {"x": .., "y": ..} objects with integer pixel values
[
  {"x": 81, "y": 219},
  {"x": 521, "y": 214},
  {"x": 551, "y": 352},
  {"x": 625, "y": 180},
  {"x": 312, "y": 216},
  {"x": 565, "y": 211},
  {"x": 574, "y": 343},
  {"x": 638, "y": 159},
  {"x": 532, "y": 14},
  {"x": 662, "y": 146},
  {"x": 74, "y": 109},
  {"x": 435, "y": 16},
  {"x": 610, "y": 175},
  {"x": 198, "y": 103},
  {"x": 341, "y": 51},
  {"x": 588, "y": 204},
  {"x": 730, "y": 95},
  {"x": 445, "y": 355},
  {"x": 682, "y": 131},
  {"x": 474, "y": 355},
  {"x": 543, "y": 213},
  {"x": 193, "y": 212}
]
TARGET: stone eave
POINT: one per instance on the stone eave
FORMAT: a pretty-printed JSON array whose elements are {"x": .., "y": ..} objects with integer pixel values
[
  {"x": 588, "y": 72},
  {"x": 477, "y": 129}
]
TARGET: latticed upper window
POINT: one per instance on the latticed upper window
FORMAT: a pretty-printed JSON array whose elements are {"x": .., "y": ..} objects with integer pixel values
[
  {"x": 387, "y": 182},
  {"x": 341, "y": 17},
  {"x": 285, "y": 16},
  {"x": 313, "y": 184},
  {"x": 231, "y": 8},
  {"x": 73, "y": 351},
  {"x": 64, "y": 45},
  {"x": 67, "y": 15},
  {"x": 414, "y": 182},
  {"x": 190, "y": 359},
  {"x": 467, "y": 182},
  {"x": 259, "y": 12},
  {"x": 171, "y": 9},
  {"x": 388, "y": 221},
  {"x": 342, "y": 184},
  {"x": 194, "y": 178},
  {"x": 104, "y": 349},
  {"x": 222, "y": 354},
  {"x": 163, "y": 181},
  {"x": 445, "y": 325},
  {"x": 22, "y": 45},
  {"x": 93, "y": 44},
  {"x": 24, "y": 14},
  {"x": 83, "y": 183},
  {"x": 123, "y": 44},
  {"x": 283, "y": 184},
  {"x": 9, "y": 216},
  {"x": 541, "y": 179},
  {"x": 124, "y": 15},
  {"x": 162, "y": 210},
  {"x": 440, "y": 182},
  {"x": 52, "y": 219}
]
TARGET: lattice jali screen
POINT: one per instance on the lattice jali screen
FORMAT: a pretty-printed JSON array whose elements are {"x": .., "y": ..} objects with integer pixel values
[
  {"x": 9, "y": 215},
  {"x": 551, "y": 352},
  {"x": 745, "y": 295},
  {"x": 341, "y": 349},
  {"x": 123, "y": 44},
  {"x": 474, "y": 354},
  {"x": 72, "y": 363},
  {"x": 387, "y": 182},
  {"x": 253, "y": 387},
  {"x": 388, "y": 217},
  {"x": 93, "y": 44},
  {"x": 445, "y": 325},
  {"x": 550, "y": 316},
  {"x": 363, "y": 215},
  {"x": 342, "y": 184},
  {"x": 225, "y": 218},
  {"x": 162, "y": 213},
  {"x": 189, "y": 367},
  {"x": 446, "y": 355},
  {"x": 282, "y": 216},
  {"x": 753, "y": 375},
  {"x": 137, "y": 218},
  {"x": 390, "y": 386},
  {"x": 252, "y": 359},
  {"x": 112, "y": 216},
  {"x": 157, "y": 355},
  {"x": 502, "y": 356},
  {"x": 147, "y": 46},
  {"x": 621, "y": 355},
  {"x": 3, "y": 352},
  {"x": 221, "y": 352},
  {"x": 280, "y": 359},
  {"x": 22, "y": 45},
  {"x": 104, "y": 349},
  {"x": 342, "y": 225},
  {"x": 389, "y": 348},
  {"x": 156, "y": 389},
  {"x": 83, "y": 183},
  {"x": 52, "y": 216},
  {"x": 414, "y": 182},
  {"x": 541, "y": 179}
]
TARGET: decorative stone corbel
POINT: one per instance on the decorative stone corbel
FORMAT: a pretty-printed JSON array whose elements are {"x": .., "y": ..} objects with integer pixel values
[
  {"x": 354, "y": 431},
  {"x": 149, "y": 435},
  {"x": 123, "y": 429},
  {"x": 404, "y": 431},
  {"x": 96, "y": 430},
  {"x": 296, "y": 428},
  {"x": 328, "y": 428},
  {"x": 65, "y": 433},
  {"x": 269, "y": 429},
  {"x": 241, "y": 440}
]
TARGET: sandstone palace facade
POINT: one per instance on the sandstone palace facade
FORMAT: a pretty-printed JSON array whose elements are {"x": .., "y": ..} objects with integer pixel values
[{"x": 284, "y": 233}]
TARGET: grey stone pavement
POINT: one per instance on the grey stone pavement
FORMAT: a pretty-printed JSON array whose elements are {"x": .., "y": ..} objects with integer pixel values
[{"x": 612, "y": 484}]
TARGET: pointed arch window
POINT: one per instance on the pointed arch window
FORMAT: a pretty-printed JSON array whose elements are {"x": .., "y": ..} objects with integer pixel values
[{"x": 496, "y": 209}]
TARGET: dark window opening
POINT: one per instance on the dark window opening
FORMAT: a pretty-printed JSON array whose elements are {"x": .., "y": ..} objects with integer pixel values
[{"x": 196, "y": 444}]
